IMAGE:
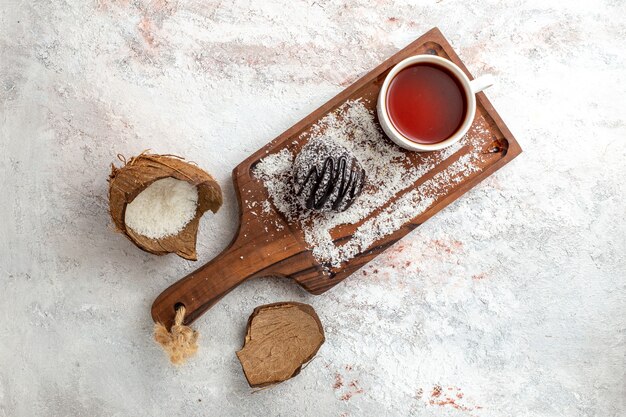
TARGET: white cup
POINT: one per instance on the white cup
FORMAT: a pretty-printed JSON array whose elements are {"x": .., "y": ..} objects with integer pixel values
[{"x": 470, "y": 89}]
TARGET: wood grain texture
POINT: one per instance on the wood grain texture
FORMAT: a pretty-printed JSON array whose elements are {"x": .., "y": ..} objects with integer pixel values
[{"x": 267, "y": 245}]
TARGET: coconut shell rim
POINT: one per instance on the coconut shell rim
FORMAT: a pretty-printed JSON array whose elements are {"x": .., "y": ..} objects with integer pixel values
[{"x": 150, "y": 168}]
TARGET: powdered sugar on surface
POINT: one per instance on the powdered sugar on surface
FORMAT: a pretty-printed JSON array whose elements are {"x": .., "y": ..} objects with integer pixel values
[{"x": 390, "y": 173}]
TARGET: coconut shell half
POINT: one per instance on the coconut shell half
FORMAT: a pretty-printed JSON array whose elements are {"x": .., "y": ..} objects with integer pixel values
[
  {"x": 128, "y": 181},
  {"x": 280, "y": 338}
]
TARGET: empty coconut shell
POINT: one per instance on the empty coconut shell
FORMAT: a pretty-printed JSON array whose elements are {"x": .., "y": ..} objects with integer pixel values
[
  {"x": 128, "y": 181},
  {"x": 280, "y": 338}
]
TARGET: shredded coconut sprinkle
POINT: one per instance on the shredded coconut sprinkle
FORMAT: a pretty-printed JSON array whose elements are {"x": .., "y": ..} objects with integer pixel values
[
  {"x": 390, "y": 173},
  {"x": 163, "y": 209}
]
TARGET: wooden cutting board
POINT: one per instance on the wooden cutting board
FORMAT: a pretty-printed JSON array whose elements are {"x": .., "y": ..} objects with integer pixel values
[{"x": 268, "y": 244}]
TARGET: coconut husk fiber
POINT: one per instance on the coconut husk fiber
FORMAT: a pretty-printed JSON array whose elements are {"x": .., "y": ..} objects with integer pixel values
[
  {"x": 280, "y": 338},
  {"x": 180, "y": 342},
  {"x": 128, "y": 181}
]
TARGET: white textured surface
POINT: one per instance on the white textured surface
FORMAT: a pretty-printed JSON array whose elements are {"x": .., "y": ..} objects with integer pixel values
[{"x": 513, "y": 297}]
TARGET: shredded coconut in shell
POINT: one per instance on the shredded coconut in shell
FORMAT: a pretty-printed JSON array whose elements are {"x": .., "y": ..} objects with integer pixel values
[{"x": 163, "y": 209}]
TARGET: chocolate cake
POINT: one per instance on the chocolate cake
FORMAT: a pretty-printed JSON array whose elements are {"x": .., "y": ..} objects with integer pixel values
[{"x": 326, "y": 176}]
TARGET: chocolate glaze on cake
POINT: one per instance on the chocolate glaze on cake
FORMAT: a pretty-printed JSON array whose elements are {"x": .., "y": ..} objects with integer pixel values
[{"x": 326, "y": 176}]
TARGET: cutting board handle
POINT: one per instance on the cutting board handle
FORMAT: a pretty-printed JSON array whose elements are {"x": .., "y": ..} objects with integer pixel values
[
  {"x": 204, "y": 287},
  {"x": 260, "y": 248}
]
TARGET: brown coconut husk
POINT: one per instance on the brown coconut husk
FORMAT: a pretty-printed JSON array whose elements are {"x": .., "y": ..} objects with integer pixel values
[
  {"x": 126, "y": 182},
  {"x": 280, "y": 338}
]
